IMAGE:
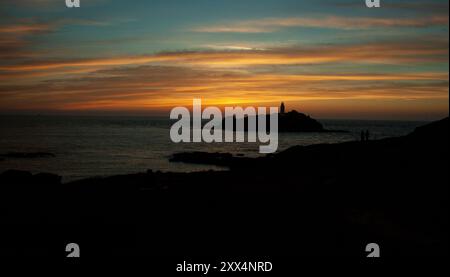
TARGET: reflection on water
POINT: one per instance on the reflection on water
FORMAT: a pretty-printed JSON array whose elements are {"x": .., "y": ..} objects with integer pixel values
[{"x": 99, "y": 146}]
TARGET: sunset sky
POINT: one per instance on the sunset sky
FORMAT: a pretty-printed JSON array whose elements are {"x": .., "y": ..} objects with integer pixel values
[{"x": 329, "y": 59}]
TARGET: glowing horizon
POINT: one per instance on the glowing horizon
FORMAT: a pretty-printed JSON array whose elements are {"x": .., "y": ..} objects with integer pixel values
[{"x": 330, "y": 60}]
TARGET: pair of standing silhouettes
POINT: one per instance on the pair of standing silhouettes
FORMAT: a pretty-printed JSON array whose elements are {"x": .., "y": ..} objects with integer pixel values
[{"x": 365, "y": 136}]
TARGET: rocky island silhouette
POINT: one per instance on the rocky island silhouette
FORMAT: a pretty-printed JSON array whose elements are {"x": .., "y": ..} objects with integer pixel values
[{"x": 292, "y": 121}]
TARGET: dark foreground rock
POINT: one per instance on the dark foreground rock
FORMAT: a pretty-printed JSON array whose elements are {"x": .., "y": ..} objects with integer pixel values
[
  {"x": 196, "y": 157},
  {"x": 319, "y": 200},
  {"x": 25, "y": 155}
]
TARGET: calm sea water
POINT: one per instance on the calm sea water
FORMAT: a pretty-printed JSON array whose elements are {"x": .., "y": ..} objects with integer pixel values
[{"x": 101, "y": 146}]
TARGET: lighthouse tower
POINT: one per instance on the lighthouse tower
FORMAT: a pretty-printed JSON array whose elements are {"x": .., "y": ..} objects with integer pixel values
[{"x": 282, "y": 108}]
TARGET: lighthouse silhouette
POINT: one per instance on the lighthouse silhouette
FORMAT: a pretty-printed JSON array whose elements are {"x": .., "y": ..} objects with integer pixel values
[{"x": 282, "y": 108}]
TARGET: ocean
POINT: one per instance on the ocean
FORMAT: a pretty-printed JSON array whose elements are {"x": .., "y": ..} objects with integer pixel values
[{"x": 89, "y": 146}]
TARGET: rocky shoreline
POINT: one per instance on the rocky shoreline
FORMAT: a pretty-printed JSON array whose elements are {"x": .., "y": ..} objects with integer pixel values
[{"x": 303, "y": 201}]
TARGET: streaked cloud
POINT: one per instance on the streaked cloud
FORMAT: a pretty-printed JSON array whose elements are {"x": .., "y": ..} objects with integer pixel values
[
  {"x": 345, "y": 60},
  {"x": 16, "y": 36},
  {"x": 156, "y": 87},
  {"x": 399, "y": 52},
  {"x": 266, "y": 25}
]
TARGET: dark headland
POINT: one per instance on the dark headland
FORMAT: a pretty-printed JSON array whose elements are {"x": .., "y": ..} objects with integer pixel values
[
  {"x": 329, "y": 199},
  {"x": 289, "y": 122}
]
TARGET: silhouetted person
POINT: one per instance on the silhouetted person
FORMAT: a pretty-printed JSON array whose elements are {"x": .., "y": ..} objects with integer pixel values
[
  {"x": 282, "y": 108},
  {"x": 367, "y": 135}
]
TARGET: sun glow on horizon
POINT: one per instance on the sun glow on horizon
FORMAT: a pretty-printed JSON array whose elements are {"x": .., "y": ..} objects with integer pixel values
[{"x": 340, "y": 62}]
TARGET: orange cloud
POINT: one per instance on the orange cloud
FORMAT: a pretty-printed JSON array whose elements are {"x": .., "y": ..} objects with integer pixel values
[
  {"x": 235, "y": 77},
  {"x": 25, "y": 29},
  {"x": 156, "y": 87},
  {"x": 387, "y": 52}
]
